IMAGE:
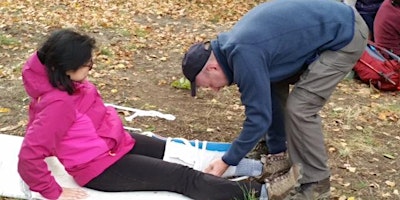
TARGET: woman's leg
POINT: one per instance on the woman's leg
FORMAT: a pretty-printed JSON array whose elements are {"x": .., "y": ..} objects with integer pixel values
[
  {"x": 153, "y": 147},
  {"x": 148, "y": 146},
  {"x": 142, "y": 173}
]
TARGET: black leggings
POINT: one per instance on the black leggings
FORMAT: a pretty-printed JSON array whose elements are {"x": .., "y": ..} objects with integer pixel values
[{"x": 143, "y": 169}]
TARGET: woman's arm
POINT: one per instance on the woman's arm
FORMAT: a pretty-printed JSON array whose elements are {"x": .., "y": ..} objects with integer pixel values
[{"x": 40, "y": 141}]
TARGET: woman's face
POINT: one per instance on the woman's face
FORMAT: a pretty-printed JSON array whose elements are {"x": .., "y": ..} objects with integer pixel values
[{"x": 81, "y": 73}]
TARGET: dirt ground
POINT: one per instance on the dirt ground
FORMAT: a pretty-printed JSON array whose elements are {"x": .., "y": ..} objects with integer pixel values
[{"x": 140, "y": 47}]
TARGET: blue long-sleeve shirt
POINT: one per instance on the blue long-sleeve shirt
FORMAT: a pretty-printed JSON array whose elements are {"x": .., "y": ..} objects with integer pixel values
[{"x": 271, "y": 43}]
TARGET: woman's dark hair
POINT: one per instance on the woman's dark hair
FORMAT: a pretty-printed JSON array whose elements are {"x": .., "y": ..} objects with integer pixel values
[
  {"x": 65, "y": 50},
  {"x": 396, "y": 3}
]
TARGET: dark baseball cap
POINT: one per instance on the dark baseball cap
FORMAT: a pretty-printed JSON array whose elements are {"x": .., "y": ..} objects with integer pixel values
[{"x": 194, "y": 61}]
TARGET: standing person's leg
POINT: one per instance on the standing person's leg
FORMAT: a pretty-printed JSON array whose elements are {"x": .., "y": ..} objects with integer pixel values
[
  {"x": 369, "y": 20},
  {"x": 277, "y": 160},
  {"x": 303, "y": 124},
  {"x": 275, "y": 138}
]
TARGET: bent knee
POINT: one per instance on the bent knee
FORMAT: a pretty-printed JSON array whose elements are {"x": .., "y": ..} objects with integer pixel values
[{"x": 302, "y": 103}]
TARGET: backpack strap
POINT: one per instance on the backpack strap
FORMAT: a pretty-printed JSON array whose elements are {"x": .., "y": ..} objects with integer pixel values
[{"x": 391, "y": 54}]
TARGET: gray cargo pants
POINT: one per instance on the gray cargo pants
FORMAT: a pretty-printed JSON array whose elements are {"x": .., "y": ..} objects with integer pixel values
[{"x": 305, "y": 140}]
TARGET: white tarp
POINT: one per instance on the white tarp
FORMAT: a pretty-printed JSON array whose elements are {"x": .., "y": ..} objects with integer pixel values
[{"x": 11, "y": 184}]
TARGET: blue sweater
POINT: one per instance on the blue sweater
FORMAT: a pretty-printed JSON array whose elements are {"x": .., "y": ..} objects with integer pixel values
[{"x": 271, "y": 43}]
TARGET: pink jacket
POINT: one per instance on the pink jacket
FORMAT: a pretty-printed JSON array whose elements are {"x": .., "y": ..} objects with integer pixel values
[{"x": 78, "y": 129}]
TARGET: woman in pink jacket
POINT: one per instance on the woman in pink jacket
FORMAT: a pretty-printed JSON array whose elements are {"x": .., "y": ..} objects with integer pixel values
[{"x": 68, "y": 119}]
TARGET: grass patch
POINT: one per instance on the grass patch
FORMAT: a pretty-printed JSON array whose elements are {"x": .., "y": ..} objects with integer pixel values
[
  {"x": 361, "y": 185},
  {"x": 344, "y": 152},
  {"x": 140, "y": 32},
  {"x": 106, "y": 52},
  {"x": 124, "y": 32},
  {"x": 86, "y": 26},
  {"x": 367, "y": 136},
  {"x": 248, "y": 194},
  {"x": 7, "y": 40},
  {"x": 215, "y": 19},
  {"x": 394, "y": 107},
  {"x": 362, "y": 141},
  {"x": 132, "y": 47}
]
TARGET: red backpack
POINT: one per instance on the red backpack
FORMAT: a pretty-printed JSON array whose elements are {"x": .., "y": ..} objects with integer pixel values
[{"x": 379, "y": 67}]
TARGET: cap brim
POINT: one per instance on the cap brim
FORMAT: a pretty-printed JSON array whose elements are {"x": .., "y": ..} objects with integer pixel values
[{"x": 193, "y": 88}]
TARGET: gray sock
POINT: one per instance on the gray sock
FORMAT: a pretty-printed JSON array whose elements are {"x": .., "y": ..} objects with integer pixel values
[
  {"x": 264, "y": 193},
  {"x": 249, "y": 167}
]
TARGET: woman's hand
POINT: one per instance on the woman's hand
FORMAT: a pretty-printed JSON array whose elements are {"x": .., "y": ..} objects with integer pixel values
[{"x": 73, "y": 194}]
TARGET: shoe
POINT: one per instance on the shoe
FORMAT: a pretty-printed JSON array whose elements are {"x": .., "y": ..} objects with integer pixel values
[
  {"x": 313, "y": 191},
  {"x": 259, "y": 150},
  {"x": 274, "y": 165},
  {"x": 280, "y": 187}
]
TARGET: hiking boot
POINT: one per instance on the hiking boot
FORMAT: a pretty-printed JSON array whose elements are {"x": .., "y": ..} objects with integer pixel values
[
  {"x": 280, "y": 187},
  {"x": 313, "y": 191},
  {"x": 274, "y": 165}
]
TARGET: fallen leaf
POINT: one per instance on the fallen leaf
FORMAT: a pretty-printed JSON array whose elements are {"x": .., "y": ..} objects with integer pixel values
[
  {"x": 346, "y": 127},
  {"x": 364, "y": 92},
  {"x": 124, "y": 112},
  {"x": 162, "y": 82},
  {"x": 5, "y": 110},
  {"x": 388, "y": 156},
  {"x": 386, "y": 195},
  {"x": 342, "y": 198},
  {"x": 390, "y": 183},
  {"x": 337, "y": 109},
  {"x": 9, "y": 128},
  {"x": 351, "y": 169},
  {"x": 346, "y": 184},
  {"x": 375, "y": 96},
  {"x": 181, "y": 83}
]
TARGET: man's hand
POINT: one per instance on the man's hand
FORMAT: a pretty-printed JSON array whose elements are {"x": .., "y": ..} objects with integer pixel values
[
  {"x": 217, "y": 167},
  {"x": 73, "y": 194}
]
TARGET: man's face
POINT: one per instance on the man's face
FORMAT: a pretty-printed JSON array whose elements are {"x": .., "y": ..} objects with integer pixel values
[{"x": 212, "y": 77}]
